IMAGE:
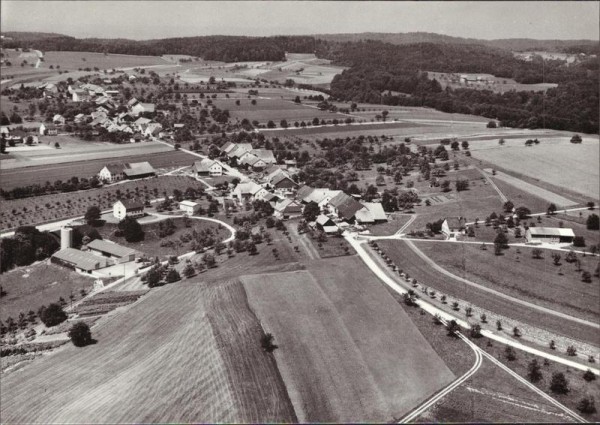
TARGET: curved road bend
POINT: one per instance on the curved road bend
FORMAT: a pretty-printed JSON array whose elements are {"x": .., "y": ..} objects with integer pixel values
[
  {"x": 433, "y": 310},
  {"x": 545, "y": 310}
]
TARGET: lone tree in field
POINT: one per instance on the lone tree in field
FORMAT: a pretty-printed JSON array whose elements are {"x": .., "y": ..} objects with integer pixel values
[
  {"x": 131, "y": 229},
  {"x": 534, "y": 371},
  {"x": 593, "y": 222},
  {"x": 92, "y": 215},
  {"x": 559, "y": 384},
  {"x": 589, "y": 376},
  {"x": 80, "y": 334},
  {"x": 52, "y": 315},
  {"x": 587, "y": 405},
  {"x": 500, "y": 243},
  {"x": 576, "y": 139},
  {"x": 510, "y": 353},
  {"x": 266, "y": 342}
]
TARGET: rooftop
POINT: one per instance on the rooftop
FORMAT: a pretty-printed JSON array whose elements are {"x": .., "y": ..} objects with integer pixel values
[
  {"x": 80, "y": 259},
  {"x": 552, "y": 231},
  {"x": 110, "y": 248}
]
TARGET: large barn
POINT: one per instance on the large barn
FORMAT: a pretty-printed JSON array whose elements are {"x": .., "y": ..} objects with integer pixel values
[{"x": 549, "y": 235}]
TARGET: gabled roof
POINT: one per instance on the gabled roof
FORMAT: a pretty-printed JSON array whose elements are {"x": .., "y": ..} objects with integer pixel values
[
  {"x": 138, "y": 168},
  {"x": 239, "y": 150},
  {"x": 456, "y": 222},
  {"x": 251, "y": 160},
  {"x": 346, "y": 205},
  {"x": 132, "y": 101},
  {"x": 280, "y": 177},
  {"x": 303, "y": 192},
  {"x": 323, "y": 220},
  {"x": 114, "y": 168},
  {"x": 110, "y": 248},
  {"x": 264, "y": 154},
  {"x": 204, "y": 165},
  {"x": 320, "y": 194},
  {"x": 552, "y": 231},
  {"x": 80, "y": 259},
  {"x": 286, "y": 204},
  {"x": 376, "y": 210},
  {"x": 131, "y": 204},
  {"x": 227, "y": 147},
  {"x": 187, "y": 203},
  {"x": 249, "y": 187}
]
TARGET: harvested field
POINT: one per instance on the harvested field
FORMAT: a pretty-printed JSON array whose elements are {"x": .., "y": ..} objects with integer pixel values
[
  {"x": 344, "y": 380},
  {"x": 550, "y": 197},
  {"x": 406, "y": 259},
  {"x": 30, "y": 287},
  {"x": 556, "y": 161},
  {"x": 187, "y": 356}
]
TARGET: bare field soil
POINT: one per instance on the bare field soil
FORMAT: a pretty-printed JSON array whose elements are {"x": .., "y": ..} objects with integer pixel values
[
  {"x": 182, "y": 345},
  {"x": 344, "y": 379},
  {"x": 556, "y": 161},
  {"x": 30, "y": 287},
  {"x": 532, "y": 279},
  {"x": 411, "y": 263}
]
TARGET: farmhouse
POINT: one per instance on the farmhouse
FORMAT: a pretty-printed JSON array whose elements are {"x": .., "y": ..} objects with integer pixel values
[
  {"x": 119, "y": 253},
  {"x": 111, "y": 173},
  {"x": 345, "y": 206},
  {"x": 247, "y": 191},
  {"x": 189, "y": 207},
  {"x": 138, "y": 170},
  {"x": 128, "y": 208},
  {"x": 253, "y": 161},
  {"x": 80, "y": 95},
  {"x": 452, "y": 226},
  {"x": 287, "y": 208},
  {"x": 282, "y": 181},
  {"x": 326, "y": 224},
  {"x": 552, "y": 235},
  {"x": 48, "y": 130},
  {"x": 372, "y": 213},
  {"x": 84, "y": 262},
  {"x": 58, "y": 119},
  {"x": 152, "y": 129},
  {"x": 239, "y": 150},
  {"x": 207, "y": 167}
]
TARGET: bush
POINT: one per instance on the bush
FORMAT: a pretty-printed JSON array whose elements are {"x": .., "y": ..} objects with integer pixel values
[
  {"x": 571, "y": 351},
  {"x": 593, "y": 222},
  {"x": 266, "y": 342},
  {"x": 559, "y": 383},
  {"x": 452, "y": 328},
  {"x": 80, "y": 334},
  {"x": 510, "y": 353},
  {"x": 579, "y": 241},
  {"x": 589, "y": 376},
  {"x": 52, "y": 315},
  {"x": 587, "y": 405},
  {"x": 534, "y": 371},
  {"x": 476, "y": 331}
]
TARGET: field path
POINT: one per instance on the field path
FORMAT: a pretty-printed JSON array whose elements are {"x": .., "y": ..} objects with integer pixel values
[{"x": 491, "y": 182}]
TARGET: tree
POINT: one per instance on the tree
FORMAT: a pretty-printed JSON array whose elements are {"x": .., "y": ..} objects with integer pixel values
[
  {"x": 452, "y": 328},
  {"x": 455, "y": 145},
  {"x": 576, "y": 139},
  {"x": 579, "y": 241},
  {"x": 551, "y": 209},
  {"x": 508, "y": 206},
  {"x": 587, "y": 405},
  {"x": 536, "y": 253},
  {"x": 52, "y": 315},
  {"x": 172, "y": 276},
  {"x": 462, "y": 185},
  {"x": 492, "y": 124},
  {"x": 500, "y": 243},
  {"x": 523, "y": 212},
  {"x": 80, "y": 334},
  {"x": 189, "y": 271},
  {"x": 589, "y": 376},
  {"x": 593, "y": 222},
  {"x": 267, "y": 343},
  {"x": 131, "y": 229},
  {"x": 571, "y": 351},
  {"x": 92, "y": 215},
  {"x": 311, "y": 211},
  {"x": 586, "y": 277},
  {"x": 251, "y": 247},
  {"x": 510, "y": 353},
  {"x": 476, "y": 331},
  {"x": 559, "y": 383},
  {"x": 152, "y": 277},
  {"x": 534, "y": 371}
]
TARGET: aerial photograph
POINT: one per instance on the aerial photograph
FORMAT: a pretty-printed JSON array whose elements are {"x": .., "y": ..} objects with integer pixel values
[{"x": 299, "y": 212}]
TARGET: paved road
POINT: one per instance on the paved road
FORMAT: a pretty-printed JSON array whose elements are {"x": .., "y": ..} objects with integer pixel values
[{"x": 433, "y": 310}]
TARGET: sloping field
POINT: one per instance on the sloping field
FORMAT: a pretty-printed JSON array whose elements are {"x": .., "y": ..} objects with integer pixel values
[
  {"x": 76, "y": 60},
  {"x": 172, "y": 357},
  {"x": 556, "y": 161},
  {"x": 347, "y": 351},
  {"x": 556, "y": 199}
]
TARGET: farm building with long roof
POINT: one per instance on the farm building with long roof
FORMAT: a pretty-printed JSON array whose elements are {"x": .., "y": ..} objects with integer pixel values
[{"x": 550, "y": 235}]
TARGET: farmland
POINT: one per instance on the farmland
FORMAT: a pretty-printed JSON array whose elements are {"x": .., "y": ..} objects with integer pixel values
[
  {"x": 373, "y": 385},
  {"x": 54, "y": 207},
  {"x": 413, "y": 264},
  {"x": 577, "y": 169},
  {"x": 199, "y": 354},
  {"x": 30, "y": 287}
]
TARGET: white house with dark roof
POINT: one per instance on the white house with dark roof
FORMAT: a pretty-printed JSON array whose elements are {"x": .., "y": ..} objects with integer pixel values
[
  {"x": 111, "y": 173},
  {"x": 128, "y": 208}
]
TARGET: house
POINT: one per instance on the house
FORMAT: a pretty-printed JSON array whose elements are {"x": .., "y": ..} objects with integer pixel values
[
  {"x": 48, "y": 130},
  {"x": 344, "y": 206},
  {"x": 79, "y": 118},
  {"x": 79, "y": 95},
  {"x": 248, "y": 191},
  {"x": 452, "y": 226},
  {"x": 141, "y": 123},
  {"x": 111, "y": 93},
  {"x": 252, "y": 161},
  {"x": 138, "y": 170},
  {"x": 141, "y": 108},
  {"x": 553, "y": 235},
  {"x": 238, "y": 150},
  {"x": 208, "y": 167},
  {"x": 321, "y": 197},
  {"x": 326, "y": 224},
  {"x": 136, "y": 138},
  {"x": 111, "y": 173},
  {"x": 58, "y": 119},
  {"x": 128, "y": 208},
  {"x": 283, "y": 182},
  {"x": 290, "y": 163},
  {"x": 133, "y": 101},
  {"x": 265, "y": 155},
  {"x": 228, "y": 147},
  {"x": 81, "y": 261},
  {"x": 287, "y": 208},
  {"x": 303, "y": 192},
  {"x": 152, "y": 129},
  {"x": 189, "y": 207},
  {"x": 371, "y": 213},
  {"x": 119, "y": 253}
]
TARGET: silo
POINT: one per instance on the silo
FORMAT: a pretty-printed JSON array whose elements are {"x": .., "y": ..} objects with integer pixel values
[{"x": 66, "y": 237}]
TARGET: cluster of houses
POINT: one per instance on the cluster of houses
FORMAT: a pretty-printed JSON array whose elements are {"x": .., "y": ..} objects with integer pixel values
[
  {"x": 16, "y": 136},
  {"x": 242, "y": 154}
]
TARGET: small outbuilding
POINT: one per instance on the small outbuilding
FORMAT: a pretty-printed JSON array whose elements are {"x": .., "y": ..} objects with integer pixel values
[{"x": 189, "y": 207}]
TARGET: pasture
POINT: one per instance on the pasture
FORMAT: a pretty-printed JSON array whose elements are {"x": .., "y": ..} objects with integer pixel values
[
  {"x": 76, "y": 60},
  {"x": 30, "y": 287},
  {"x": 344, "y": 379},
  {"x": 40, "y": 174},
  {"x": 555, "y": 161},
  {"x": 406, "y": 259},
  {"x": 194, "y": 347}
]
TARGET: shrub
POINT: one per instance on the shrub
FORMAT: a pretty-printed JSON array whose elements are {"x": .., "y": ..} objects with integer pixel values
[
  {"x": 80, "y": 334},
  {"x": 559, "y": 383},
  {"x": 587, "y": 405},
  {"x": 579, "y": 241},
  {"x": 266, "y": 342},
  {"x": 476, "y": 331},
  {"x": 552, "y": 345},
  {"x": 571, "y": 351},
  {"x": 589, "y": 376},
  {"x": 534, "y": 371},
  {"x": 52, "y": 315},
  {"x": 452, "y": 328},
  {"x": 510, "y": 353}
]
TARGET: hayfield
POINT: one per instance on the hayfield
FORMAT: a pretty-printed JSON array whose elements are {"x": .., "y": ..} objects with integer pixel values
[
  {"x": 76, "y": 60},
  {"x": 30, "y": 287},
  {"x": 326, "y": 324},
  {"x": 406, "y": 259},
  {"x": 185, "y": 353},
  {"x": 556, "y": 161}
]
